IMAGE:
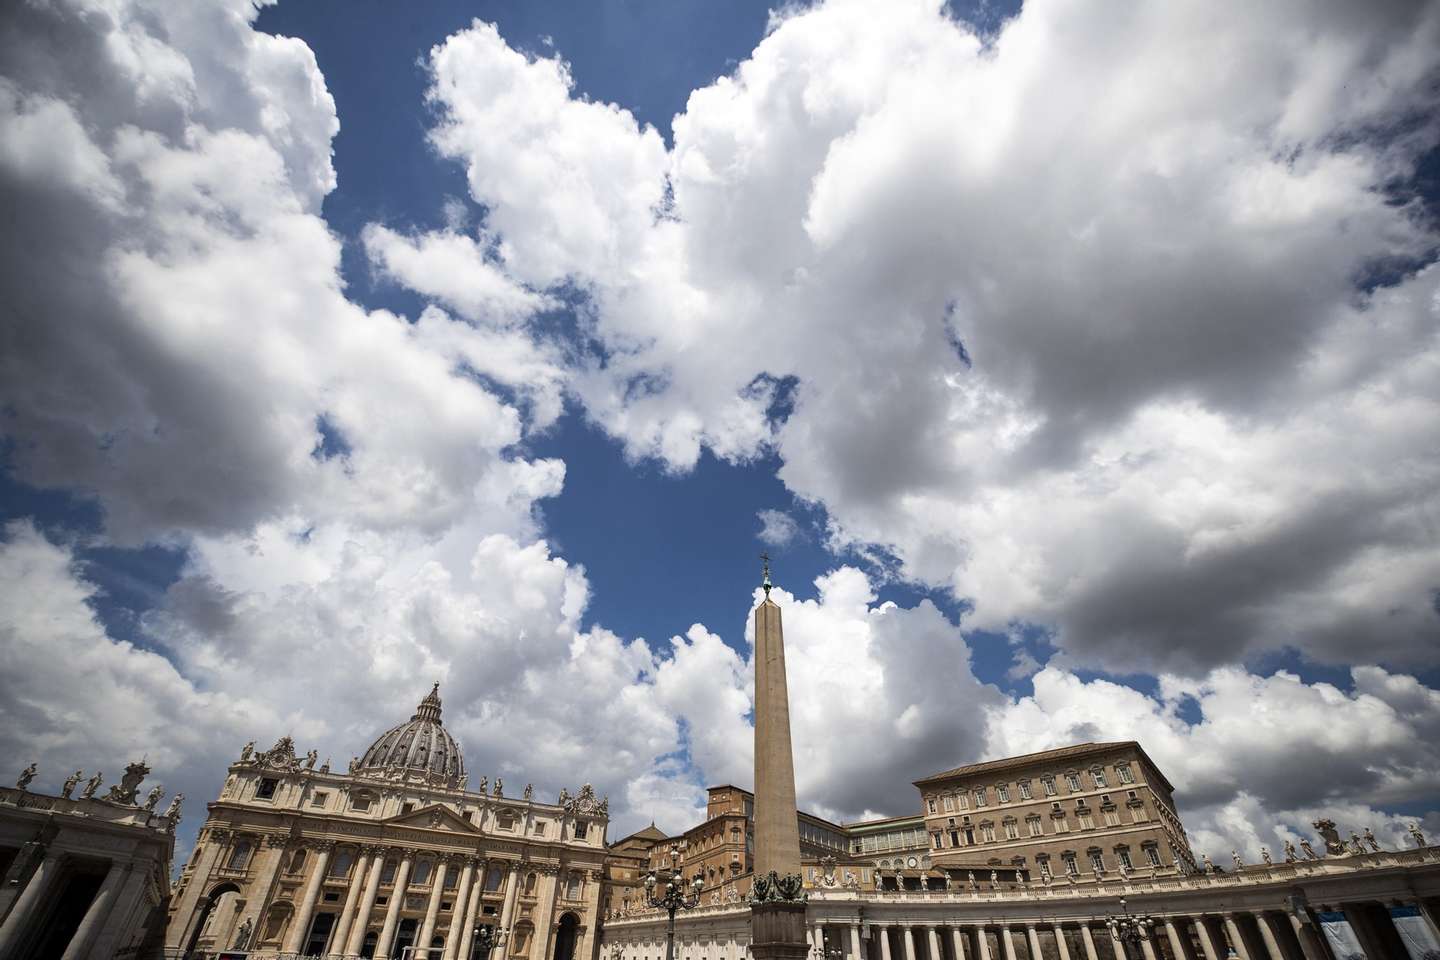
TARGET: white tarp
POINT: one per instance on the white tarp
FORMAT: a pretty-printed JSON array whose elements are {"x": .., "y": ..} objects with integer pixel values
[
  {"x": 1415, "y": 933},
  {"x": 1341, "y": 937}
]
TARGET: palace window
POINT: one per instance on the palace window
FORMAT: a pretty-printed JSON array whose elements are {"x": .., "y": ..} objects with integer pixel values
[
  {"x": 987, "y": 831},
  {"x": 572, "y": 887},
  {"x": 1002, "y": 792},
  {"x": 1139, "y": 814},
  {"x": 949, "y": 804},
  {"x": 936, "y": 837},
  {"x": 506, "y": 820},
  {"x": 387, "y": 874},
  {"x": 266, "y": 788},
  {"x": 1024, "y": 786},
  {"x": 239, "y": 855},
  {"x": 1048, "y": 782},
  {"x": 582, "y": 828},
  {"x": 931, "y": 803},
  {"x": 962, "y": 801},
  {"x": 1012, "y": 830},
  {"x": 1112, "y": 818},
  {"x": 340, "y": 866},
  {"x": 1097, "y": 860},
  {"x": 1087, "y": 821},
  {"x": 539, "y": 828},
  {"x": 297, "y": 860},
  {"x": 1073, "y": 779},
  {"x": 361, "y": 801},
  {"x": 1071, "y": 867},
  {"x": 422, "y": 872},
  {"x": 1122, "y": 770},
  {"x": 493, "y": 878},
  {"x": 979, "y": 796},
  {"x": 954, "y": 838},
  {"x": 1123, "y": 855},
  {"x": 1153, "y": 856},
  {"x": 1099, "y": 774},
  {"x": 1043, "y": 862},
  {"x": 1036, "y": 829}
]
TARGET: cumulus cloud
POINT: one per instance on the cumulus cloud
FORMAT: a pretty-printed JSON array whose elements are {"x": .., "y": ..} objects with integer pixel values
[
  {"x": 1074, "y": 316},
  {"x": 777, "y": 528}
]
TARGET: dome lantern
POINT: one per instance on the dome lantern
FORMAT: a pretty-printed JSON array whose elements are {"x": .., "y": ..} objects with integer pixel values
[{"x": 419, "y": 747}]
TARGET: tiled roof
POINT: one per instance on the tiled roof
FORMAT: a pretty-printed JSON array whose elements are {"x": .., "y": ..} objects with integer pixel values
[{"x": 1010, "y": 763}]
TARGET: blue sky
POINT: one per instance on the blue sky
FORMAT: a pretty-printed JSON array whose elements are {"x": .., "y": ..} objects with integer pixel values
[{"x": 358, "y": 314}]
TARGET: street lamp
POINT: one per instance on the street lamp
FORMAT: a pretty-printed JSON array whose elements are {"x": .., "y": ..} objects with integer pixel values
[
  {"x": 1129, "y": 928},
  {"x": 487, "y": 938},
  {"x": 666, "y": 891}
]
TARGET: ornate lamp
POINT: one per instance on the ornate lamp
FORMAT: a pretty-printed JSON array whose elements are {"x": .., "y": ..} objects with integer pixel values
[{"x": 672, "y": 896}]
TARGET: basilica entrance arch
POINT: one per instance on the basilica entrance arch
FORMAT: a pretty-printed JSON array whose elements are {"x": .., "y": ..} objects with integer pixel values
[{"x": 566, "y": 937}]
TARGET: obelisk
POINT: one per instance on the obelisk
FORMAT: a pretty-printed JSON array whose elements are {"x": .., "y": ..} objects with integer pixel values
[
  {"x": 777, "y": 831},
  {"x": 777, "y": 908}
]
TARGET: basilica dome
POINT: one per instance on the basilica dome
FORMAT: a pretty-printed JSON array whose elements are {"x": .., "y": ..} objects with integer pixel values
[{"x": 420, "y": 746}]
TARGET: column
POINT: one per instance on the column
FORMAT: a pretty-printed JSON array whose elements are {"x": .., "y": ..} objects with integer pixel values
[
  {"x": 1063, "y": 948},
  {"x": 884, "y": 942},
  {"x": 361, "y": 923},
  {"x": 187, "y": 913},
  {"x": 1007, "y": 940},
  {"x": 545, "y": 913},
  {"x": 35, "y": 891},
  {"x": 1177, "y": 946},
  {"x": 1033, "y": 939},
  {"x": 1267, "y": 935},
  {"x": 295, "y": 942},
  {"x": 1148, "y": 948},
  {"x": 457, "y": 914},
  {"x": 512, "y": 889},
  {"x": 472, "y": 909},
  {"x": 1115, "y": 943},
  {"x": 98, "y": 910},
  {"x": 432, "y": 910},
  {"x": 957, "y": 943},
  {"x": 909, "y": 941},
  {"x": 983, "y": 942},
  {"x": 1089, "y": 940},
  {"x": 397, "y": 902},
  {"x": 1207, "y": 940},
  {"x": 810, "y": 940},
  {"x": 341, "y": 933},
  {"x": 1309, "y": 939},
  {"x": 933, "y": 940},
  {"x": 1237, "y": 942},
  {"x": 855, "y": 952},
  {"x": 124, "y": 917}
]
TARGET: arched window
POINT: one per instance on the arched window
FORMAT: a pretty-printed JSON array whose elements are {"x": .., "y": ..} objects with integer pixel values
[
  {"x": 530, "y": 885},
  {"x": 239, "y": 855},
  {"x": 572, "y": 886},
  {"x": 275, "y": 923},
  {"x": 421, "y": 872},
  {"x": 340, "y": 866},
  {"x": 297, "y": 861},
  {"x": 387, "y": 873},
  {"x": 493, "y": 878}
]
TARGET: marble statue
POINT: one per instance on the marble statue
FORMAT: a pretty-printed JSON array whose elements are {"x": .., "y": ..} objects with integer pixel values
[
  {"x": 1239, "y": 864},
  {"x": 528, "y": 792},
  {"x": 129, "y": 785},
  {"x": 994, "y": 879},
  {"x": 1334, "y": 846},
  {"x": 70, "y": 782},
  {"x": 970, "y": 875},
  {"x": 173, "y": 811},
  {"x": 242, "y": 936},
  {"x": 1356, "y": 847},
  {"x": 310, "y": 759},
  {"x": 1124, "y": 871},
  {"x": 1370, "y": 841},
  {"x": 1308, "y": 850},
  {"x": 154, "y": 796},
  {"x": 484, "y": 783},
  {"x": 247, "y": 751},
  {"x": 1265, "y": 856},
  {"x": 354, "y": 765},
  {"x": 499, "y": 790},
  {"x": 1416, "y": 835},
  {"x": 1099, "y": 875},
  {"x": 91, "y": 786},
  {"x": 1209, "y": 864},
  {"x": 26, "y": 776},
  {"x": 1289, "y": 852},
  {"x": 325, "y": 767}
]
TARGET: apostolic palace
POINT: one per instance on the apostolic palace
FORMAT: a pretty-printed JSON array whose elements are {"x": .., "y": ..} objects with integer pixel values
[{"x": 1077, "y": 853}]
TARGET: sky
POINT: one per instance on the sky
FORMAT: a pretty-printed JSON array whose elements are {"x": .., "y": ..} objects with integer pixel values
[{"x": 1078, "y": 368}]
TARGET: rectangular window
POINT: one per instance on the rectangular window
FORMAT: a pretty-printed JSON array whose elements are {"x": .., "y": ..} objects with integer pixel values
[
  {"x": 318, "y": 800},
  {"x": 1024, "y": 786},
  {"x": 931, "y": 803},
  {"x": 1073, "y": 779},
  {"x": 1012, "y": 831},
  {"x": 936, "y": 837},
  {"x": 539, "y": 828},
  {"x": 1061, "y": 824},
  {"x": 387, "y": 873},
  {"x": 1045, "y": 869},
  {"x": 954, "y": 838},
  {"x": 1071, "y": 867},
  {"x": 1124, "y": 856},
  {"x": 1152, "y": 855},
  {"x": 1112, "y": 818},
  {"x": 988, "y": 832},
  {"x": 1099, "y": 776},
  {"x": 1049, "y": 784},
  {"x": 581, "y": 828},
  {"x": 1125, "y": 775},
  {"x": 1036, "y": 829},
  {"x": 1002, "y": 793},
  {"x": 1087, "y": 822},
  {"x": 980, "y": 797},
  {"x": 962, "y": 801},
  {"x": 266, "y": 789},
  {"x": 407, "y": 807},
  {"x": 949, "y": 804},
  {"x": 1097, "y": 860},
  {"x": 361, "y": 801}
]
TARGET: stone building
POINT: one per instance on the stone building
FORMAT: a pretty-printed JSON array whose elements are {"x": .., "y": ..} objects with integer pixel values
[
  {"x": 1071, "y": 811},
  {"x": 85, "y": 876},
  {"x": 396, "y": 851}
]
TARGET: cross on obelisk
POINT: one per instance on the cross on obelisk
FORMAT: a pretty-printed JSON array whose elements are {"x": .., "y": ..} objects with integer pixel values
[{"x": 777, "y": 918}]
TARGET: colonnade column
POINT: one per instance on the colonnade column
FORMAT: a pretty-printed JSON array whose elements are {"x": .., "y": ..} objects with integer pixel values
[
  {"x": 361, "y": 921},
  {"x": 1061, "y": 946},
  {"x": 122, "y": 922},
  {"x": 295, "y": 942},
  {"x": 472, "y": 908},
  {"x": 1088, "y": 939},
  {"x": 457, "y": 913},
  {"x": 984, "y": 943},
  {"x": 1147, "y": 948},
  {"x": 932, "y": 939},
  {"x": 1267, "y": 934},
  {"x": 1007, "y": 940},
  {"x": 35, "y": 890},
  {"x": 352, "y": 898},
  {"x": 1237, "y": 942},
  {"x": 957, "y": 942},
  {"x": 432, "y": 909},
  {"x": 855, "y": 951},
  {"x": 1177, "y": 946},
  {"x": 1309, "y": 938},
  {"x": 908, "y": 935},
  {"x": 397, "y": 902},
  {"x": 98, "y": 910},
  {"x": 1032, "y": 939},
  {"x": 884, "y": 941}
]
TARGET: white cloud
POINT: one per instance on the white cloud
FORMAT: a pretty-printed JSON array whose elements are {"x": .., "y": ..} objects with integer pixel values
[{"x": 777, "y": 528}]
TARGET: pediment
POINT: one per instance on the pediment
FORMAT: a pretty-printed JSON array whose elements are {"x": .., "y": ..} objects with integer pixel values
[{"x": 434, "y": 817}]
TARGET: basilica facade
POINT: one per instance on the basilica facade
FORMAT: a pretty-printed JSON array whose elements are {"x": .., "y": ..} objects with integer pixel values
[{"x": 397, "y": 855}]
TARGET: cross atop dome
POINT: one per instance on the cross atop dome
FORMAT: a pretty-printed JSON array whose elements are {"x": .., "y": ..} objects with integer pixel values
[{"x": 429, "y": 708}]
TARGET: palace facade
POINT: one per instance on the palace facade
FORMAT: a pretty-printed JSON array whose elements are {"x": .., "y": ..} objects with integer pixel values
[{"x": 394, "y": 856}]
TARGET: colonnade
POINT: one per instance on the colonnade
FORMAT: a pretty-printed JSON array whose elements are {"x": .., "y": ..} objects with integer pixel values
[{"x": 113, "y": 910}]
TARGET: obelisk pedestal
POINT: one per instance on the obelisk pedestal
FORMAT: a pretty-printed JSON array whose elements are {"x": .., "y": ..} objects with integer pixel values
[{"x": 777, "y": 919}]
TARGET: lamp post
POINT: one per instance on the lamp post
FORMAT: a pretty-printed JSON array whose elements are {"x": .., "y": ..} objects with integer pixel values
[
  {"x": 666, "y": 891},
  {"x": 1129, "y": 928},
  {"x": 487, "y": 938}
]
